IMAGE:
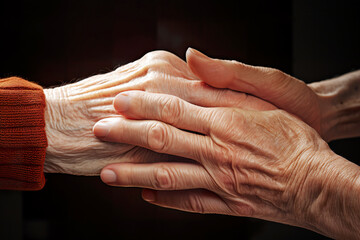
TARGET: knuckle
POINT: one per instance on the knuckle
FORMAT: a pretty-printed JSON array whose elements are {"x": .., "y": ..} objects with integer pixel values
[
  {"x": 157, "y": 137},
  {"x": 158, "y": 60},
  {"x": 164, "y": 178},
  {"x": 157, "y": 68},
  {"x": 150, "y": 55},
  {"x": 171, "y": 110},
  {"x": 158, "y": 54},
  {"x": 195, "y": 204}
]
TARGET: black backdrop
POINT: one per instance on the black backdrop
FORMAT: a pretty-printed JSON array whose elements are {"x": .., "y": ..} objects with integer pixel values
[{"x": 57, "y": 42}]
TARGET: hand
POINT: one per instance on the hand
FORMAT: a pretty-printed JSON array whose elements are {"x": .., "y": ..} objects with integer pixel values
[
  {"x": 262, "y": 164},
  {"x": 308, "y": 102},
  {"x": 73, "y": 109}
]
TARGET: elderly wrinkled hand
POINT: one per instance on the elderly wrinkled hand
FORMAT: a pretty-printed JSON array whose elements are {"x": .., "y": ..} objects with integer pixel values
[
  {"x": 263, "y": 164},
  {"x": 326, "y": 106},
  {"x": 73, "y": 109}
]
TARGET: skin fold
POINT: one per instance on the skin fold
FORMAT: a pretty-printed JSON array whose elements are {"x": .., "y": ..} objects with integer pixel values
[
  {"x": 273, "y": 164},
  {"x": 73, "y": 109}
]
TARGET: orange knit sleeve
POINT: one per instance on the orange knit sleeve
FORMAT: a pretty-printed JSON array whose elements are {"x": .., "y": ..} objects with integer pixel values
[{"x": 22, "y": 135}]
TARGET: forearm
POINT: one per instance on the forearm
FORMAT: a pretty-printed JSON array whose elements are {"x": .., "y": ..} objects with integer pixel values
[
  {"x": 340, "y": 99},
  {"x": 335, "y": 211}
]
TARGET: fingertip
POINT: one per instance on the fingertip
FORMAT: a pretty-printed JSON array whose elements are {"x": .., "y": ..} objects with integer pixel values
[
  {"x": 108, "y": 176},
  {"x": 101, "y": 129},
  {"x": 193, "y": 52},
  {"x": 121, "y": 102},
  {"x": 188, "y": 53},
  {"x": 212, "y": 71},
  {"x": 197, "y": 62},
  {"x": 149, "y": 195}
]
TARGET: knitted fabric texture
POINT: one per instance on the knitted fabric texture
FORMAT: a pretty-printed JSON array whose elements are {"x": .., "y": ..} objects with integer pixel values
[{"x": 22, "y": 135}]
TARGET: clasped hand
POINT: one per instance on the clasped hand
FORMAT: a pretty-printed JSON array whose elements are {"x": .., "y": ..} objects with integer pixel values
[
  {"x": 246, "y": 163},
  {"x": 239, "y": 155}
]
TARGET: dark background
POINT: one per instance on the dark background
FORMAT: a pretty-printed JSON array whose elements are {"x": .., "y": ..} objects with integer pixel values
[{"x": 57, "y": 42}]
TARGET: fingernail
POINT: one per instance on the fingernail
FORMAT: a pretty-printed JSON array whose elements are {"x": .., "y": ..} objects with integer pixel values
[
  {"x": 121, "y": 102},
  {"x": 148, "y": 195},
  {"x": 108, "y": 176},
  {"x": 101, "y": 129},
  {"x": 197, "y": 53}
]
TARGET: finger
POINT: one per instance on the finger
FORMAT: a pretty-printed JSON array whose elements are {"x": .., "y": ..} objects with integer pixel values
[
  {"x": 199, "y": 201},
  {"x": 201, "y": 94},
  {"x": 143, "y": 155},
  {"x": 160, "y": 176},
  {"x": 195, "y": 91},
  {"x": 270, "y": 84},
  {"x": 207, "y": 96},
  {"x": 153, "y": 135},
  {"x": 165, "y": 108}
]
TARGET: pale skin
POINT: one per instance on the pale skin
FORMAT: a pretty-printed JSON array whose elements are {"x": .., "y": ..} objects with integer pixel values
[{"x": 263, "y": 163}]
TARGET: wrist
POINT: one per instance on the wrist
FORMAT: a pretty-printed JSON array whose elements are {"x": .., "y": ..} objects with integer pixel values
[
  {"x": 334, "y": 189},
  {"x": 54, "y": 114},
  {"x": 339, "y": 103},
  {"x": 327, "y": 95},
  {"x": 71, "y": 113}
]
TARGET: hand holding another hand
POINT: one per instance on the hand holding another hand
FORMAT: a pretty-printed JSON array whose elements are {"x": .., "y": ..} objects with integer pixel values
[
  {"x": 73, "y": 109},
  {"x": 312, "y": 103},
  {"x": 262, "y": 164}
]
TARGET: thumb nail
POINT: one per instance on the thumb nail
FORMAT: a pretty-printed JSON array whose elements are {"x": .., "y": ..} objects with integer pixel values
[{"x": 196, "y": 53}]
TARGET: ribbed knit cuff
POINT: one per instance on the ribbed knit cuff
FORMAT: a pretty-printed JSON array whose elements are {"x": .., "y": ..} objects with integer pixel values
[{"x": 22, "y": 135}]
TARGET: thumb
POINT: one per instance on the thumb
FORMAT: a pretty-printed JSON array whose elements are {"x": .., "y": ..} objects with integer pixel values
[
  {"x": 214, "y": 72},
  {"x": 263, "y": 82},
  {"x": 278, "y": 88}
]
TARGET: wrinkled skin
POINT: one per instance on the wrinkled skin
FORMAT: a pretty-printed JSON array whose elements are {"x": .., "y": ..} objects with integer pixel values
[
  {"x": 308, "y": 102},
  {"x": 263, "y": 164},
  {"x": 246, "y": 162},
  {"x": 73, "y": 109},
  {"x": 329, "y": 106}
]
